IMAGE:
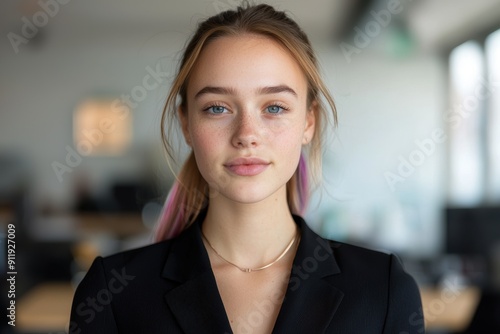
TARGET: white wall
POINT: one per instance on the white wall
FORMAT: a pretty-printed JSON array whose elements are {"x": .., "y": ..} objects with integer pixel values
[{"x": 384, "y": 104}]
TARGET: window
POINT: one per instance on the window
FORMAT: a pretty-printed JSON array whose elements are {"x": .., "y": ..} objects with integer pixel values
[
  {"x": 474, "y": 122},
  {"x": 465, "y": 119},
  {"x": 493, "y": 55}
]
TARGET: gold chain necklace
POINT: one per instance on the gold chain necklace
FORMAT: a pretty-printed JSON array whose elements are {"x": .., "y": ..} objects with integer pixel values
[{"x": 247, "y": 270}]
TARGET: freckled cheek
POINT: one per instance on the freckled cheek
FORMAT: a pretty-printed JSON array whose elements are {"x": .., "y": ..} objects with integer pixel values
[
  {"x": 207, "y": 143},
  {"x": 287, "y": 138},
  {"x": 275, "y": 127}
]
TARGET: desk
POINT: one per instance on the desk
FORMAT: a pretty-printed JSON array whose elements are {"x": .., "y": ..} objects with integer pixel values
[
  {"x": 449, "y": 309},
  {"x": 74, "y": 227},
  {"x": 122, "y": 225},
  {"x": 45, "y": 308}
]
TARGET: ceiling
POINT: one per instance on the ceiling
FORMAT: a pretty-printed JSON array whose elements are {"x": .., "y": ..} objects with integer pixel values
[
  {"x": 91, "y": 16},
  {"x": 445, "y": 23},
  {"x": 434, "y": 23}
]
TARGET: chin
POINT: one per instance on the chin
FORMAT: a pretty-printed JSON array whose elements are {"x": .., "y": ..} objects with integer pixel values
[{"x": 251, "y": 194}]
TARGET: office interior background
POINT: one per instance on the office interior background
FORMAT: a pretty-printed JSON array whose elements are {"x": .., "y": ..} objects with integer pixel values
[{"x": 412, "y": 168}]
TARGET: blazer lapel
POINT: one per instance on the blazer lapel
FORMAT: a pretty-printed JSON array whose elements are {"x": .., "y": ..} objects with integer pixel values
[
  {"x": 195, "y": 302},
  {"x": 310, "y": 300}
]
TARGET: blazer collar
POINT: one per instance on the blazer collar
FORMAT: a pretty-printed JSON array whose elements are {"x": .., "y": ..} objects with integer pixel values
[
  {"x": 310, "y": 301},
  {"x": 195, "y": 302}
]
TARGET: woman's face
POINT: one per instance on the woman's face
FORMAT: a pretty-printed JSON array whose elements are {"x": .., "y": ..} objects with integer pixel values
[{"x": 247, "y": 117}]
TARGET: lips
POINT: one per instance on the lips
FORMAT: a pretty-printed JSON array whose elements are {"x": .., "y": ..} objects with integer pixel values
[{"x": 247, "y": 166}]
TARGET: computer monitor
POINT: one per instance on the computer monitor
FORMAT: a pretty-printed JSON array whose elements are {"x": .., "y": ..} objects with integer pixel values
[{"x": 473, "y": 231}]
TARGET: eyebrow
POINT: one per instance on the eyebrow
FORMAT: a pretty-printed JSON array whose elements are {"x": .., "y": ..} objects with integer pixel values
[
  {"x": 215, "y": 90},
  {"x": 232, "y": 91},
  {"x": 277, "y": 89}
]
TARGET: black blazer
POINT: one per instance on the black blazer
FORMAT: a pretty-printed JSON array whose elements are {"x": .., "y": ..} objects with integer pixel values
[{"x": 169, "y": 287}]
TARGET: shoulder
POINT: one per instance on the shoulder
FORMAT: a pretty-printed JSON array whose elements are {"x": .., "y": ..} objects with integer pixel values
[
  {"x": 378, "y": 266},
  {"x": 134, "y": 266},
  {"x": 374, "y": 287},
  {"x": 149, "y": 262},
  {"x": 381, "y": 279},
  {"x": 126, "y": 265},
  {"x": 352, "y": 257},
  {"x": 130, "y": 278},
  {"x": 347, "y": 259},
  {"x": 143, "y": 255}
]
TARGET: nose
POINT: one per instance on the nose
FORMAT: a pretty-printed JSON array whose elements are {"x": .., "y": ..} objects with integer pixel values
[{"x": 247, "y": 130}]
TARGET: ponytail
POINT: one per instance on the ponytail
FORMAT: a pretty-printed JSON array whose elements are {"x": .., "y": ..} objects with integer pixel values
[{"x": 187, "y": 197}]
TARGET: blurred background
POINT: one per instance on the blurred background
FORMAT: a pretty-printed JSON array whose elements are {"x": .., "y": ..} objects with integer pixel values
[{"x": 413, "y": 167}]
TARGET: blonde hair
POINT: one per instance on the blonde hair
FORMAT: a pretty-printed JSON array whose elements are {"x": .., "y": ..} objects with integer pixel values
[{"x": 189, "y": 194}]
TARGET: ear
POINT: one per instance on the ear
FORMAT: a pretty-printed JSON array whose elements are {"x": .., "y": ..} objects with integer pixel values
[
  {"x": 310, "y": 125},
  {"x": 183, "y": 118}
]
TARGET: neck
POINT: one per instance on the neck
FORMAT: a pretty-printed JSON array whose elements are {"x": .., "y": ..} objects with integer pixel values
[{"x": 250, "y": 235}]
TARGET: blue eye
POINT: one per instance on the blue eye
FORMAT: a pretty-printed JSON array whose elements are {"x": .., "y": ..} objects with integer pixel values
[
  {"x": 216, "y": 109},
  {"x": 274, "y": 109}
]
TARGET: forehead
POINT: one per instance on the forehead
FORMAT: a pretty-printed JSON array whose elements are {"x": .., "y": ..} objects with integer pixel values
[{"x": 246, "y": 62}]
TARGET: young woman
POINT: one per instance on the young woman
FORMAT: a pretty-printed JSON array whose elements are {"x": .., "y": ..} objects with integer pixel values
[{"x": 232, "y": 252}]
